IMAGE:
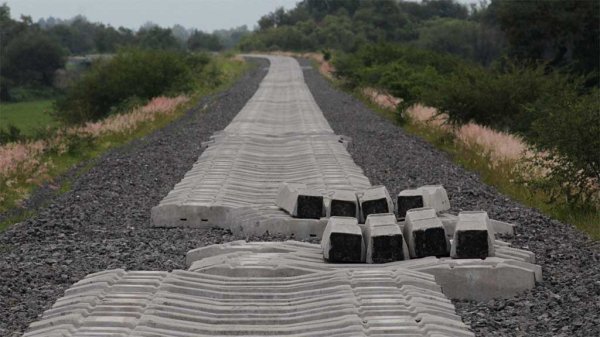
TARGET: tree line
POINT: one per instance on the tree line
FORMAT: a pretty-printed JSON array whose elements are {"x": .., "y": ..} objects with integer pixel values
[
  {"x": 31, "y": 52},
  {"x": 564, "y": 34}
]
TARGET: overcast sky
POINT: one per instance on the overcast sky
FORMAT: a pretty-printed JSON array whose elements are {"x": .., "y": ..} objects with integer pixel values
[{"x": 206, "y": 15}]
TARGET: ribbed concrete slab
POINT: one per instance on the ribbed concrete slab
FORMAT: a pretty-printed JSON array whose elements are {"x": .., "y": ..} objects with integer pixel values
[
  {"x": 504, "y": 275},
  {"x": 250, "y": 298},
  {"x": 279, "y": 136}
]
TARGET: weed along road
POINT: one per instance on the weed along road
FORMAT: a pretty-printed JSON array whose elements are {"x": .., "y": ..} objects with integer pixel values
[{"x": 284, "y": 206}]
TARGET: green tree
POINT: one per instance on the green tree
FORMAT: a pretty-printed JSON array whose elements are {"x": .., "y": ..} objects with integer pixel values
[
  {"x": 32, "y": 58},
  {"x": 204, "y": 41},
  {"x": 564, "y": 33},
  {"x": 157, "y": 38}
]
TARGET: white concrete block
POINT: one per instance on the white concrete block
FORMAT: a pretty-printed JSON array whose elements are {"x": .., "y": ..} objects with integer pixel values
[
  {"x": 425, "y": 234},
  {"x": 383, "y": 239},
  {"x": 374, "y": 200},
  {"x": 342, "y": 203},
  {"x": 436, "y": 197},
  {"x": 473, "y": 236},
  {"x": 342, "y": 240},
  {"x": 300, "y": 202}
]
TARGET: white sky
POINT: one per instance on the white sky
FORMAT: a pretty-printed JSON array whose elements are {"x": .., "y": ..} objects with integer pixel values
[{"x": 206, "y": 15}]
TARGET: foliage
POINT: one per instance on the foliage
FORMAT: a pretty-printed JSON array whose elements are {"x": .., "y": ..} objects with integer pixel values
[
  {"x": 204, "y": 41},
  {"x": 568, "y": 142},
  {"x": 563, "y": 33},
  {"x": 157, "y": 38},
  {"x": 132, "y": 75}
]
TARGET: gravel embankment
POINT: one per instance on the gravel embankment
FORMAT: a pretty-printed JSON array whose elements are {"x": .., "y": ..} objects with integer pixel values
[
  {"x": 103, "y": 222},
  {"x": 566, "y": 303}
]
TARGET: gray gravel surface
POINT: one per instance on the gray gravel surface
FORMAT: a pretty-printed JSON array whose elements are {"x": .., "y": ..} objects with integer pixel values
[
  {"x": 566, "y": 303},
  {"x": 103, "y": 222}
]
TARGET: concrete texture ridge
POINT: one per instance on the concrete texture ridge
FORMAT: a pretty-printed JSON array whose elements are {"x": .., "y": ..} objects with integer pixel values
[
  {"x": 342, "y": 240},
  {"x": 425, "y": 234},
  {"x": 383, "y": 239},
  {"x": 248, "y": 297},
  {"x": 509, "y": 272},
  {"x": 279, "y": 136},
  {"x": 473, "y": 236}
]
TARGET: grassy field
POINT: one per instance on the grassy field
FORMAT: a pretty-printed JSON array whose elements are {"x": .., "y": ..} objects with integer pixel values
[{"x": 27, "y": 116}]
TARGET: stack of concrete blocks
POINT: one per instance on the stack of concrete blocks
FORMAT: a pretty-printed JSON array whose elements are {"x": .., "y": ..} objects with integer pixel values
[
  {"x": 473, "y": 236},
  {"x": 383, "y": 239}
]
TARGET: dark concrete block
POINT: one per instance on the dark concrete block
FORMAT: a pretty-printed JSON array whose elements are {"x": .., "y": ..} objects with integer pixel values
[
  {"x": 343, "y": 208},
  {"x": 309, "y": 207},
  {"x": 345, "y": 248},
  {"x": 407, "y": 202},
  {"x": 375, "y": 207},
  {"x": 430, "y": 242},
  {"x": 472, "y": 244},
  {"x": 387, "y": 248}
]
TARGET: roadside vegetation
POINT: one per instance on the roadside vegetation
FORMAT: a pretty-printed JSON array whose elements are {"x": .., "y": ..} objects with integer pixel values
[
  {"x": 45, "y": 130},
  {"x": 509, "y": 89}
]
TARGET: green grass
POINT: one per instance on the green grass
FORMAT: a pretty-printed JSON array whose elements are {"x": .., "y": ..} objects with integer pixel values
[
  {"x": 27, "y": 116},
  {"x": 86, "y": 152}
]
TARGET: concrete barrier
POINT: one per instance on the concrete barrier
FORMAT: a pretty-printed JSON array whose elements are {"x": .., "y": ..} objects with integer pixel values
[
  {"x": 425, "y": 234},
  {"x": 383, "y": 239}
]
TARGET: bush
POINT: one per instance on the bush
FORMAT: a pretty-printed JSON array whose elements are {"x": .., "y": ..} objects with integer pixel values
[
  {"x": 567, "y": 140},
  {"x": 10, "y": 134},
  {"x": 131, "y": 76}
]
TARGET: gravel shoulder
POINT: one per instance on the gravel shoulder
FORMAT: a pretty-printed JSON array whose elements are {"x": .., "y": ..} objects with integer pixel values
[
  {"x": 104, "y": 221},
  {"x": 566, "y": 303}
]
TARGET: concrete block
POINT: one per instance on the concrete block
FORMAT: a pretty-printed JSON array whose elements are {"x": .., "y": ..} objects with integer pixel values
[
  {"x": 425, "y": 234},
  {"x": 408, "y": 199},
  {"x": 383, "y": 239},
  {"x": 374, "y": 200},
  {"x": 342, "y": 240},
  {"x": 436, "y": 197},
  {"x": 300, "y": 202},
  {"x": 342, "y": 203},
  {"x": 473, "y": 236}
]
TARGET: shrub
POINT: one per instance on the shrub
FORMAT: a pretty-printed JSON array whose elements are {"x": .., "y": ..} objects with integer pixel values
[
  {"x": 130, "y": 78},
  {"x": 567, "y": 138}
]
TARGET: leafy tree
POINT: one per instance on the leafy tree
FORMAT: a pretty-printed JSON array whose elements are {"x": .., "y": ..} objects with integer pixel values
[
  {"x": 157, "y": 38},
  {"x": 564, "y": 33},
  {"x": 203, "y": 41},
  {"x": 32, "y": 58}
]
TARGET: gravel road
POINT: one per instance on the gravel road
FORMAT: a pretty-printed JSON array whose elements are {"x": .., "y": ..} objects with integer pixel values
[
  {"x": 566, "y": 303},
  {"x": 103, "y": 222}
]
